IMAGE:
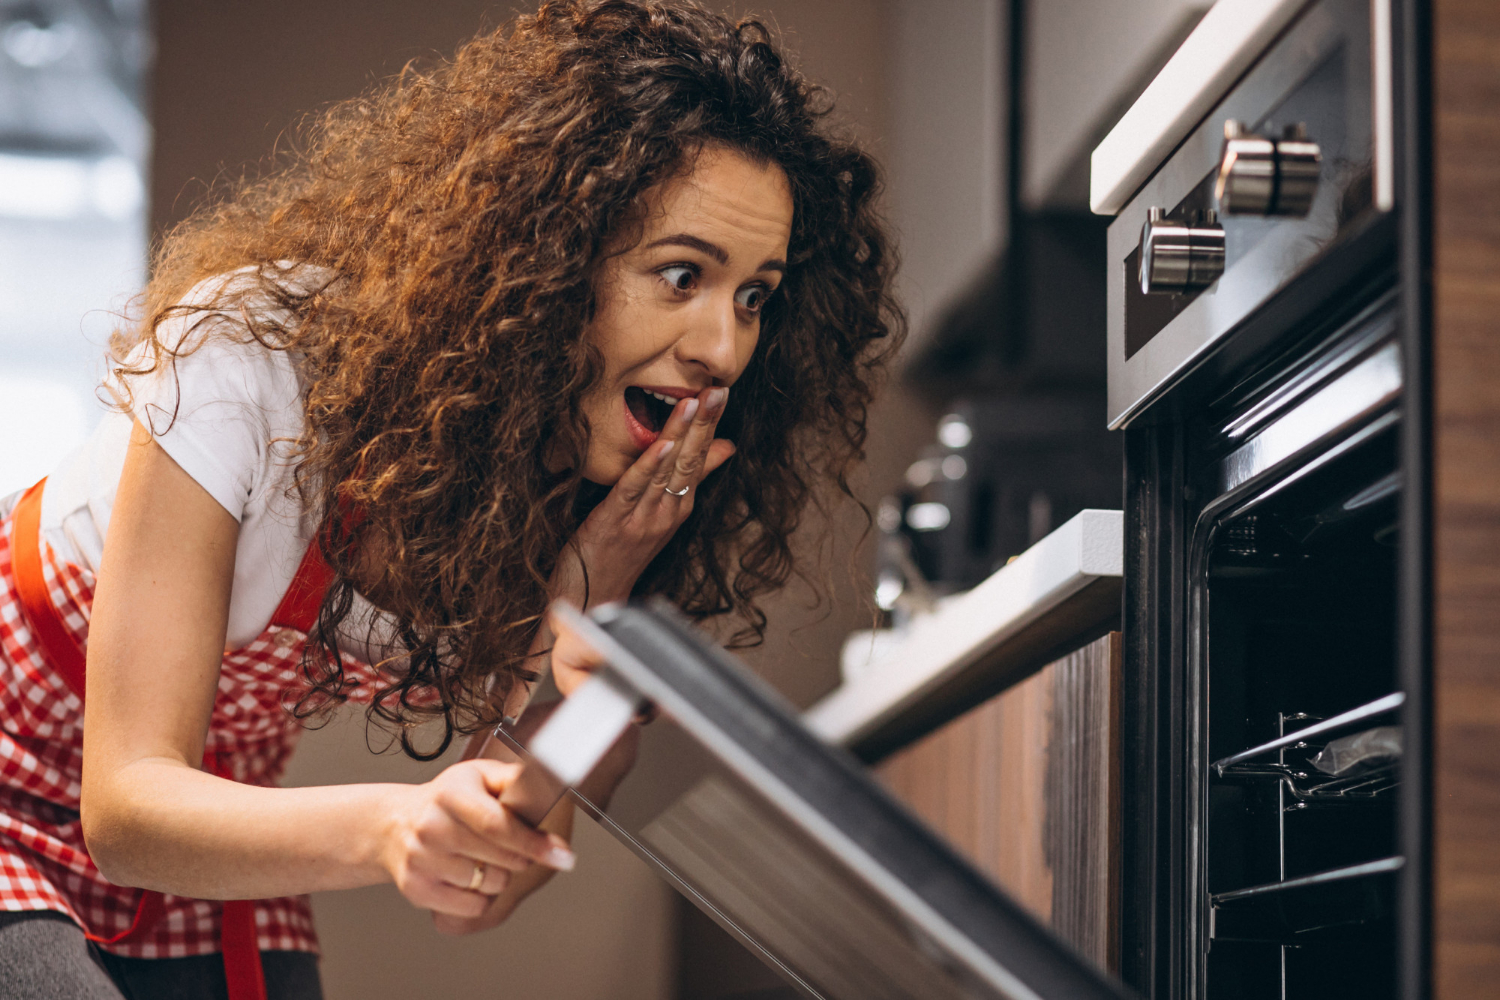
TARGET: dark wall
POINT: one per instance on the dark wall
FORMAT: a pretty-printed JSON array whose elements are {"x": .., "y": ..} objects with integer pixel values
[{"x": 231, "y": 77}]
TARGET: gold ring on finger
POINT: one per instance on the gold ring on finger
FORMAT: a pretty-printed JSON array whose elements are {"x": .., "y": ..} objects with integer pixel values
[{"x": 477, "y": 879}]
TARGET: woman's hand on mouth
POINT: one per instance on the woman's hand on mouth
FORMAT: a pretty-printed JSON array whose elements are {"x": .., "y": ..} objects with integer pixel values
[{"x": 626, "y": 531}]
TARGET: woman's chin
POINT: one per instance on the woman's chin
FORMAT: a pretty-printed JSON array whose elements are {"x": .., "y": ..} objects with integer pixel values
[{"x": 605, "y": 470}]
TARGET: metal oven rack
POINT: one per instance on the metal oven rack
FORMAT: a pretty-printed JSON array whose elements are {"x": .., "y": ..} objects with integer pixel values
[
  {"x": 1292, "y": 910},
  {"x": 1304, "y": 786}
]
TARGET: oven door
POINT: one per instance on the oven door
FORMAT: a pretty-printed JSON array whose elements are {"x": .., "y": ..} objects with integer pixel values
[{"x": 781, "y": 839}]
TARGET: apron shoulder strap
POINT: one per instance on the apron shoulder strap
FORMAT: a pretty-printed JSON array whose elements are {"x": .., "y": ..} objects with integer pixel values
[
  {"x": 303, "y": 599},
  {"x": 62, "y": 650},
  {"x": 304, "y": 596}
]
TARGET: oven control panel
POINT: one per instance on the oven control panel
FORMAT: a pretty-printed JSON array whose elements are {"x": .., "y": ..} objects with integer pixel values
[{"x": 1282, "y": 173}]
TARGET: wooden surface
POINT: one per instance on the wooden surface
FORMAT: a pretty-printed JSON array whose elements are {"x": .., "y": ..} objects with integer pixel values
[
  {"x": 1089, "y": 614},
  {"x": 1026, "y": 785},
  {"x": 1466, "y": 501}
]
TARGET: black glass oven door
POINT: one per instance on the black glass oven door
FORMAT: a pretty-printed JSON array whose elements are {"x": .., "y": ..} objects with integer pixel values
[{"x": 784, "y": 841}]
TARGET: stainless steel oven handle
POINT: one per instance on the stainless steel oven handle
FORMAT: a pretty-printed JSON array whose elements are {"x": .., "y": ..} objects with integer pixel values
[{"x": 569, "y": 745}]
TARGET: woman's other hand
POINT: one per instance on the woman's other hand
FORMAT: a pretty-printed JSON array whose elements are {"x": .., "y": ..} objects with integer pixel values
[{"x": 442, "y": 833}]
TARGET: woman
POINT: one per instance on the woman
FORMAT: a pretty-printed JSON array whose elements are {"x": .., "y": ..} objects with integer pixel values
[{"x": 587, "y": 312}]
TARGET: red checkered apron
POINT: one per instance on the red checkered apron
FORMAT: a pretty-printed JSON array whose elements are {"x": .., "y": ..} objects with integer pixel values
[{"x": 44, "y": 615}]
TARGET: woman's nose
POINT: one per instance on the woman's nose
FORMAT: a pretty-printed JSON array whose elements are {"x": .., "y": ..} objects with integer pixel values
[{"x": 712, "y": 339}]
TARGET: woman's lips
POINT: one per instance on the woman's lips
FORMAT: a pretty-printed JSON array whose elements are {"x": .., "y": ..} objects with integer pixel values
[
  {"x": 641, "y": 436},
  {"x": 648, "y": 406},
  {"x": 673, "y": 391}
]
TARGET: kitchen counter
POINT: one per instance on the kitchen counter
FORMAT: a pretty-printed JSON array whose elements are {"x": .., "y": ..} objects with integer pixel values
[{"x": 1057, "y": 595}]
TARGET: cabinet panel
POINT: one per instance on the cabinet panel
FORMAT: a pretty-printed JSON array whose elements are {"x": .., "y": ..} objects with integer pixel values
[
  {"x": 1027, "y": 786},
  {"x": 1466, "y": 498}
]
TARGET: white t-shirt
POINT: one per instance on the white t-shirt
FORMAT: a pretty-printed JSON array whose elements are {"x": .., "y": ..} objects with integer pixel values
[{"x": 229, "y": 413}]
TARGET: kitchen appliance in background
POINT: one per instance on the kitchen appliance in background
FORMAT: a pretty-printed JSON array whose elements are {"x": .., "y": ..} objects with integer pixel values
[
  {"x": 1005, "y": 470},
  {"x": 1255, "y": 363},
  {"x": 1019, "y": 360}
]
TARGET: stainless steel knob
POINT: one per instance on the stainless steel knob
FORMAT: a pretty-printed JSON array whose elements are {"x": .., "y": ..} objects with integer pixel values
[
  {"x": 1261, "y": 176},
  {"x": 1178, "y": 257}
]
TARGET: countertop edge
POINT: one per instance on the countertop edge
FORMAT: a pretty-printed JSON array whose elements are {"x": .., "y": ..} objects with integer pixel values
[{"x": 976, "y": 626}]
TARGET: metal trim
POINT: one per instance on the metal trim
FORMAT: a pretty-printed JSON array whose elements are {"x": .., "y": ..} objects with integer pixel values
[{"x": 1411, "y": 48}]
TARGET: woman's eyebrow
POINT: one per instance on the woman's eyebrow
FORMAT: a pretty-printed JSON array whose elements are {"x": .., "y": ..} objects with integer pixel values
[
  {"x": 713, "y": 250},
  {"x": 692, "y": 242}
]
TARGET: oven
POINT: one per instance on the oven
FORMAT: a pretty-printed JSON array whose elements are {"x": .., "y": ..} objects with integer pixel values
[{"x": 1256, "y": 368}]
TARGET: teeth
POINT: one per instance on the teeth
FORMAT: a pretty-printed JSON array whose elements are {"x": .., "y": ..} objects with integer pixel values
[{"x": 665, "y": 399}]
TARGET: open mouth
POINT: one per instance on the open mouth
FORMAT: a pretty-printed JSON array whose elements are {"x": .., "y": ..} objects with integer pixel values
[{"x": 650, "y": 409}]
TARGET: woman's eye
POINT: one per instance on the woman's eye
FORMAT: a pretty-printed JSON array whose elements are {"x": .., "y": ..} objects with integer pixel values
[
  {"x": 680, "y": 277},
  {"x": 752, "y": 297}
]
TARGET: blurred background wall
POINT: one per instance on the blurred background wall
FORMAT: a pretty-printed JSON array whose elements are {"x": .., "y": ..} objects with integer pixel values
[{"x": 125, "y": 116}]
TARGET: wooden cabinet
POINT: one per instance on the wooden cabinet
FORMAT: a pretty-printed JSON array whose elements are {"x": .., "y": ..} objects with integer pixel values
[
  {"x": 1026, "y": 785},
  {"x": 1465, "y": 427}
]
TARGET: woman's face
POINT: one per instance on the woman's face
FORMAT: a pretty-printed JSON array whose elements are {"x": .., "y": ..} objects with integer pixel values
[{"x": 680, "y": 311}]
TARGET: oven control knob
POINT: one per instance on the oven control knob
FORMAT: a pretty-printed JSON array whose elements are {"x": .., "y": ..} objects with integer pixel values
[
  {"x": 1180, "y": 256},
  {"x": 1260, "y": 176}
]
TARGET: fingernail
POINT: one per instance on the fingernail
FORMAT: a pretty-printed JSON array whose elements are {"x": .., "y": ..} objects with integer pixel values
[
  {"x": 717, "y": 397},
  {"x": 666, "y": 449},
  {"x": 689, "y": 408},
  {"x": 560, "y": 858}
]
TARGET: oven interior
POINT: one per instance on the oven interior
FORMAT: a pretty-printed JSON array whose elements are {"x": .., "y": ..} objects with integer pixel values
[{"x": 1298, "y": 634}]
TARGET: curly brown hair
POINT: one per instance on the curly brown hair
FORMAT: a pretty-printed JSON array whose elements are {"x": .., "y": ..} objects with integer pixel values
[{"x": 467, "y": 211}]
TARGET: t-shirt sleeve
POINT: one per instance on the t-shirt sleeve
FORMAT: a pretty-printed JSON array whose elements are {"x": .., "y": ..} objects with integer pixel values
[{"x": 226, "y": 411}]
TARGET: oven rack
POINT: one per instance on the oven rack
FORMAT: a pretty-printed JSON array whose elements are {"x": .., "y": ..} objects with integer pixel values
[
  {"x": 1302, "y": 737},
  {"x": 1292, "y": 911},
  {"x": 1309, "y": 788}
]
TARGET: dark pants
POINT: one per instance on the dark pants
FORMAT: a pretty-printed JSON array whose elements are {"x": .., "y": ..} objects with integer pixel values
[{"x": 44, "y": 956}]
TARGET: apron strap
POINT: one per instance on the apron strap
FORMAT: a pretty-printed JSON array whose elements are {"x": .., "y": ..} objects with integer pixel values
[
  {"x": 62, "y": 650},
  {"x": 242, "y": 968},
  {"x": 304, "y": 596}
]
